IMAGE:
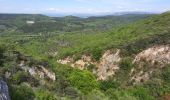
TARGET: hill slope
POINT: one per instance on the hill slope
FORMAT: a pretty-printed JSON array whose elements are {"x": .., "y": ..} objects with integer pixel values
[
  {"x": 128, "y": 62},
  {"x": 43, "y": 24}
]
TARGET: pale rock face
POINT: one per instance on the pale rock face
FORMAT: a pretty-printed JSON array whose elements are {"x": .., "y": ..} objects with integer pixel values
[
  {"x": 67, "y": 60},
  {"x": 80, "y": 64},
  {"x": 154, "y": 54},
  {"x": 7, "y": 74},
  {"x": 32, "y": 71},
  {"x": 51, "y": 75},
  {"x": 83, "y": 62},
  {"x": 106, "y": 67},
  {"x": 39, "y": 71},
  {"x": 156, "y": 57}
]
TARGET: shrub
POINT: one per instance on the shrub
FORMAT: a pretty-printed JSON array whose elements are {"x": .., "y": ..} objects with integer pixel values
[
  {"x": 166, "y": 74},
  {"x": 20, "y": 77},
  {"x": 120, "y": 95},
  {"x": 96, "y": 95},
  {"x": 45, "y": 95},
  {"x": 73, "y": 93},
  {"x": 126, "y": 64},
  {"x": 22, "y": 92},
  {"x": 2, "y": 56},
  {"x": 142, "y": 93},
  {"x": 83, "y": 80},
  {"x": 125, "y": 68},
  {"x": 97, "y": 54},
  {"x": 105, "y": 85}
]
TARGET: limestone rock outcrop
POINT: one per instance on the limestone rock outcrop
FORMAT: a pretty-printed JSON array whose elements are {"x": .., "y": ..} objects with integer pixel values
[
  {"x": 106, "y": 67},
  {"x": 155, "y": 57},
  {"x": 156, "y": 54},
  {"x": 38, "y": 71}
]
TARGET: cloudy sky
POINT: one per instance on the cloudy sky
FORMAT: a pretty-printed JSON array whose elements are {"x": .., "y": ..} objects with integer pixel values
[{"x": 82, "y": 6}]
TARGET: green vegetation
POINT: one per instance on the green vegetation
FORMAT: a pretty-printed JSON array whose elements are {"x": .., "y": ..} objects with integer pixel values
[
  {"x": 125, "y": 68},
  {"x": 83, "y": 81},
  {"x": 45, "y": 95},
  {"x": 59, "y": 45},
  {"x": 22, "y": 92},
  {"x": 51, "y": 39}
]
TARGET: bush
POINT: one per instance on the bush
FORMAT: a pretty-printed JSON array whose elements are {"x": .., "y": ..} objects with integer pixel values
[
  {"x": 22, "y": 92},
  {"x": 126, "y": 64},
  {"x": 142, "y": 93},
  {"x": 45, "y": 95},
  {"x": 20, "y": 77},
  {"x": 159, "y": 84},
  {"x": 97, "y": 54},
  {"x": 105, "y": 85},
  {"x": 96, "y": 95},
  {"x": 1, "y": 56},
  {"x": 83, "y": 80},
  {"x": 125, "y": 68},
  {"x": 73, "y": 93},
  {"x": 155, "y": 87},
  {"x": 120, "y": 95},
  {"x": 166, "y": 74}
]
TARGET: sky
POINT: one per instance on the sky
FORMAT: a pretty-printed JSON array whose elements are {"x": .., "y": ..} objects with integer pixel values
[{"x": 83, "y": 6}]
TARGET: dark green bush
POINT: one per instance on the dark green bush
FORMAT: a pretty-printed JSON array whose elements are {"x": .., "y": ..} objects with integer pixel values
[
  {"x": 20, "y": 77},
  {"x": 2, "y": 56},
  {"x": 125, "y": 68},
  {"x": 114, "y": 94},
  {"x": 96, "y": 95},
  {"x": 166, "y": 74},
  {"x": 96, "y": 54},
  {"x": 126, "y": 64},
  {"x": 109, "y": 84},
  {"x": 21, "y": 92},
  {"x": 141, "y": 93}
]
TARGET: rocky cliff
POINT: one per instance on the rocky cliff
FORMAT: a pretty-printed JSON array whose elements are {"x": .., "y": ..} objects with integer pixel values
[
  {"x": 37, "y": 71},
  {"x": 146, "y": 61},
  {"x": 155, "y": 57},
  {"x": 105, "y": 68}
]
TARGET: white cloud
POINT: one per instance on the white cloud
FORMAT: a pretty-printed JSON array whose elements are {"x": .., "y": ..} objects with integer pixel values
[
  {"x": 79, "y": 10},
  {"x": 85, "y": 6}
]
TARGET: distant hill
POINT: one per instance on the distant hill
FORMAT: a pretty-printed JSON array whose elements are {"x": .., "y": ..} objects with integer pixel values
[{"x": 98, "y": 23}]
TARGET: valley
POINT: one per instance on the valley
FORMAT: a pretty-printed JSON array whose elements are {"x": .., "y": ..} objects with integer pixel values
[{"x": 123, "y": 57}]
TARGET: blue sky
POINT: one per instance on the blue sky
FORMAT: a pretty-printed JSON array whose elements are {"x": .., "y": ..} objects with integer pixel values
[{"x": 82, "y": 6}]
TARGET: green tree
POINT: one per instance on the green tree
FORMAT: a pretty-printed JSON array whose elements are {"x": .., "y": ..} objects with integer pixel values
[{"x": 2, "y": 55}]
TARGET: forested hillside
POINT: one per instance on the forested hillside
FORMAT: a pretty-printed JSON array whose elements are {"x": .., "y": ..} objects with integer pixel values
[
  {"x": 44, "y": 24},
  {"x": 125, "y": 57}
]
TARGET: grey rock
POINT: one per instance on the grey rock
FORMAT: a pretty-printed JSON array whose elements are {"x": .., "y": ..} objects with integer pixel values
[{"x": 4, "y": 93}]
